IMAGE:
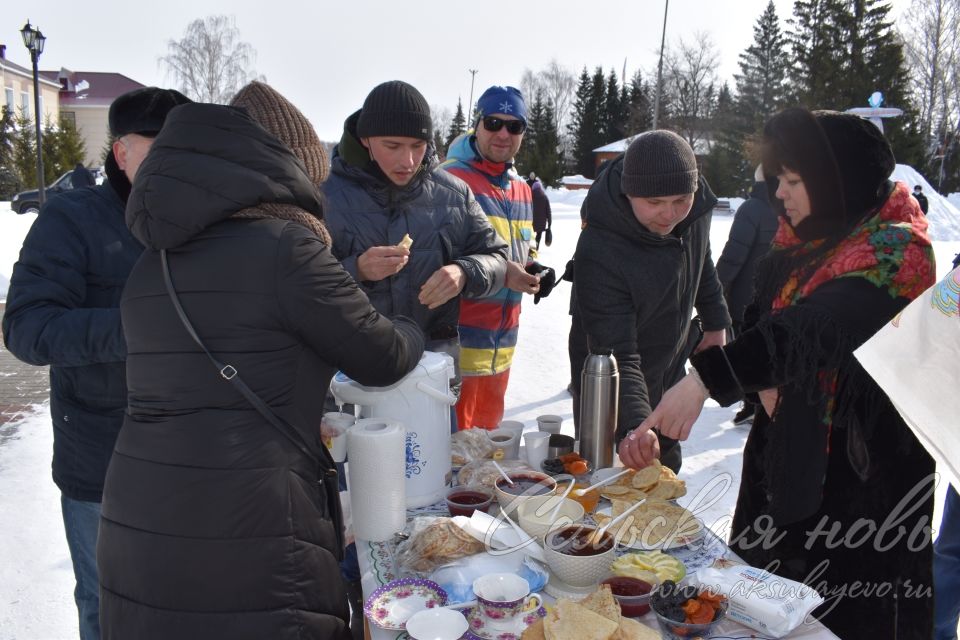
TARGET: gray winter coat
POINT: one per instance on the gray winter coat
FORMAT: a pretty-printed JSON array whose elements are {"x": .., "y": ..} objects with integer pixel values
[{"x": 364, "y": 209}]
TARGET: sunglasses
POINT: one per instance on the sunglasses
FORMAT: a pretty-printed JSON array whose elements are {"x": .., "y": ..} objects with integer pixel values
[{"x": 514, "y": 127}]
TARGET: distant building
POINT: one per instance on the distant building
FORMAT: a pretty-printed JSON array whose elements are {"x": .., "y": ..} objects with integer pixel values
[
  {"x": 17, "y": 85},
  {"x": 610, "y": 151},
  {"x": 85, "y": 98}
]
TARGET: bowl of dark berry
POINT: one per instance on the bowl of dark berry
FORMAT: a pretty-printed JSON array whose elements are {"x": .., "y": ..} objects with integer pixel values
[{"x": 687, "y": 612}]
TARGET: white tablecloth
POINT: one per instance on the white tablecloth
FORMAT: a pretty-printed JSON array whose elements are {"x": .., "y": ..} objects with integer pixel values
[{"x": 376, "y": 567}]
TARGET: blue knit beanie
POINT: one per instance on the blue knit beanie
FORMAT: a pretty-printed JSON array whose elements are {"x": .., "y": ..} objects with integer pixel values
[{"x": 505, "y": 100}]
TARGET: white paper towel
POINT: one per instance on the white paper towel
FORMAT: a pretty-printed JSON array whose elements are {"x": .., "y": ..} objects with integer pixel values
[{"x": 376, "y": 454}]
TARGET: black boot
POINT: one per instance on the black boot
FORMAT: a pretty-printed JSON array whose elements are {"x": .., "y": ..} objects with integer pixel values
[
  {"x": 745, "y": 414},
  {"x": 355, "y": 596}
]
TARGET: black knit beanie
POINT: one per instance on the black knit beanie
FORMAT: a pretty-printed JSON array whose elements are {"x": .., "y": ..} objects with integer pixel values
[
  {"x": 395, "y": 108},
  {"x": 659, "y": 163}
]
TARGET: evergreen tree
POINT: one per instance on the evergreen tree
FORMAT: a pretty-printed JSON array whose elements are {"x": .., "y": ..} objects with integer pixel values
[
  {"x": 539, "y": 152},
  {"x": 25, "y": 151},
  {"x": 817, "y": 44},
  {"x": 726, "y": 167},
  {"x": 63, "y": 148},
  {"x": 845, "y": 50},
  {"x": 9, "y": 178},
  {"x": 585, "y": 123},
  {"x": 761, "y": 84},
  {"x": 613, "y": 120},
  {"x": 639, "y": 107},
  {"x": 549, "y": 148},
  {"x": 458, "y": 126}
]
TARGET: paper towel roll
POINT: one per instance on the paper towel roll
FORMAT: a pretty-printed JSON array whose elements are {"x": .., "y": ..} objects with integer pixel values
[{"x": 376, "y": 454}]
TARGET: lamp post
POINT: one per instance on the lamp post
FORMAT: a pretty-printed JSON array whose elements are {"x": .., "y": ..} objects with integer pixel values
[
  {"x": 663, "y": 41},
  {"x": 33, "y": 40},
  {"x": 473, "y": 76}
]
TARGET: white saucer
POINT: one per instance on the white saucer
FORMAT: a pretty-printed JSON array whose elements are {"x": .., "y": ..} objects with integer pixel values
[{"x": 482, "y": 628}]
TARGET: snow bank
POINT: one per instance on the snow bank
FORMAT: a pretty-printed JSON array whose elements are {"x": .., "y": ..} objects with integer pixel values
[{"x": 943, "y": 216}]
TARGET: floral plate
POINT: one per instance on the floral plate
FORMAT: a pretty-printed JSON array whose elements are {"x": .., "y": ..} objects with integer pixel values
[
  {"x": 482, "y": 628},
  {"x": 390, "y": 606}
]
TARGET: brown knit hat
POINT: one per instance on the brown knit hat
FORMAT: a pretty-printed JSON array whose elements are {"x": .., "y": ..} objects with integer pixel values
[
  {"x": 277, "y": 115},
  {"x": 659, "y": 163}
]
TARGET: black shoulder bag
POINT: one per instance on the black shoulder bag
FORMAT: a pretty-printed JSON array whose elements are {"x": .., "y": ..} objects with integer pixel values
[{"x": 326, "y": 471}]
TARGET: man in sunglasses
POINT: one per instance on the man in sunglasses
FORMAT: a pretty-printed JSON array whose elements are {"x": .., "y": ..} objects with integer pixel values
[{"x": 483, "y": 158}]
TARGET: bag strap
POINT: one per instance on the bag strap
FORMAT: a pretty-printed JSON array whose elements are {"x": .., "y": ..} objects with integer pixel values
[{"x": 229, "y": 373}]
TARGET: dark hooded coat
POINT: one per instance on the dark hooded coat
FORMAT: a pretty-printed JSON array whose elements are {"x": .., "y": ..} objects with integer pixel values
[
  {"x": 751, "y": 233},
  {"x": 635, "y": 292},
  {"x": 214, "y": 525}
]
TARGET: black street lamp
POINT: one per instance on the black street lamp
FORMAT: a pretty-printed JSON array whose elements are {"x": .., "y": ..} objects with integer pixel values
[{"x": 33, "y": 40}]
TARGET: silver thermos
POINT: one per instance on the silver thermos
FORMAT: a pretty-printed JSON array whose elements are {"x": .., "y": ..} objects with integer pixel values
[{"x": 599, "y": 393}]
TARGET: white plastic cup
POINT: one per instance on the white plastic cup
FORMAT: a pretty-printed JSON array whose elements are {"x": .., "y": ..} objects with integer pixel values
[
  {"x": 333, "y": 431},
  {"x": 514, "y": 426},
  {"x": 536, "y": 444},
  {"x": 549, "y": 423},
  {"x": 509, "y": 441}
]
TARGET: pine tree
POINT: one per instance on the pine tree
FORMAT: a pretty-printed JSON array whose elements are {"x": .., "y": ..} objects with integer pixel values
[
  {"x": 63, "y": 148},
  {"x": 726, "y": 167},
  {"x": 458, "y": 126},
  {"x": 9, "y": 179},
  {"x": 818, "y": 51},
  {"x": 613, "y": 121},
  {"x": 539, "y": 152},
  {"x": 639, "y": 108},
  {"x": 584, "y": 125},
  {"x": 845, "y": 50},
  {"x": 25, "y": 151},
  {"x": 761, "y": 84}
]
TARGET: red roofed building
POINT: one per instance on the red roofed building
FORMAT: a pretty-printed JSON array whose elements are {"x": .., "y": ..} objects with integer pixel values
[{"x": 85, "y": 98}]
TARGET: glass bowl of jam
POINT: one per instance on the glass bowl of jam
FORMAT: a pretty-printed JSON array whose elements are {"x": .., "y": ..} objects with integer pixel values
[{"x": 464, "y": 500}]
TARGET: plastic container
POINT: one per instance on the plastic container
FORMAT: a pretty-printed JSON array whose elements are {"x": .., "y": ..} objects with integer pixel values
[
  {"x": 464, "y": 500},
  {"x": 632, "y": 595},
  {"x": 673, "y": 630},
  {"x": 589, "y": 500}
]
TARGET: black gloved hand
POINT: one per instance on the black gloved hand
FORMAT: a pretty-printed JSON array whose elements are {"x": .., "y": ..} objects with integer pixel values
[
  {"x": 548, "y": 240},
  {"x": 548, "y": 279},
  {"x": 568, "y": 271}
]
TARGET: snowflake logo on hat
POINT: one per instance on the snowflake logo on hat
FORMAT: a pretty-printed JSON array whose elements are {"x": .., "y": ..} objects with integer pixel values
[{"x": 506, "y": 107}]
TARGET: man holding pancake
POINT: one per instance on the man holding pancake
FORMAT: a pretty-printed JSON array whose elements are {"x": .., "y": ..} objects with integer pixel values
[{"x": 412, "y": 235}]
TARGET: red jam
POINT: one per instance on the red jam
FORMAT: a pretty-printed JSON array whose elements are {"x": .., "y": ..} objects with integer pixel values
[
  {"x": 632, "y": 594},
  {"x": 464, "y": 503},
  {"x": 576, "y": 541}
]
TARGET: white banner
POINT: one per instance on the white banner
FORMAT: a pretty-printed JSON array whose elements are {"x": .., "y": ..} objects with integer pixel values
[{"x": 916, "y": 360}]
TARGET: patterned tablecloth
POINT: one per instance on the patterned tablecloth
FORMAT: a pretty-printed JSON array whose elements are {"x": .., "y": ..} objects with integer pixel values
[{"x": 377, "y": 568}]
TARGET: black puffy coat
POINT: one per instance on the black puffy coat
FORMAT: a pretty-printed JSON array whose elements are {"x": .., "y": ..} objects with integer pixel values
[
  {"x": 636, "y": 290},
  {"x": 751, "y": 233},
  {"x": 437, "y": 210},
  {"x": 63, "y": 310},
  {"x": 213, "y": 523}
]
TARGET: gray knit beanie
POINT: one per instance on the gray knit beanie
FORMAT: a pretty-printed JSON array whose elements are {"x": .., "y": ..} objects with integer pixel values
[
  {"x": 395, "y": 108},
  {"x": 659, "y": 163}
]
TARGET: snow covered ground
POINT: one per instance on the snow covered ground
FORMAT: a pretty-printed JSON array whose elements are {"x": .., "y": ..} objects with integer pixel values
[{"x": 36, "y": 580}]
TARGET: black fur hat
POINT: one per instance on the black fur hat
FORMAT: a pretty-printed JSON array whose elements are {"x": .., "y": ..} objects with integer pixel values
[
  {"x": 143, "y": 111},
  {"x": 844, "y": 161}
]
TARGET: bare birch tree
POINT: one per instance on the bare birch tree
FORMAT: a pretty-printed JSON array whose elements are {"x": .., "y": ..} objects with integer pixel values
[
  {"x": 210, "y": 63},
  {"x": 929, "y": 35},
  {"x": 690, "y": 76}
]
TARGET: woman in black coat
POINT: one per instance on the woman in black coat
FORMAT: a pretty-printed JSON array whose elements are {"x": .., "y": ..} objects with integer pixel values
[
  {"x": 836, "y": 491},
  {"x": 214, "y": 524}
]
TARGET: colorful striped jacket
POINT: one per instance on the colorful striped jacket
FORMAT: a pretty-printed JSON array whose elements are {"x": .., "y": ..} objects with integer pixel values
[{"x": 489, "y": 326}]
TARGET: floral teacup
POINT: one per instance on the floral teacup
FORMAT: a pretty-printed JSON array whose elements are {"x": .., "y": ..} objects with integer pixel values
[{"x": 501, "y": 597}]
